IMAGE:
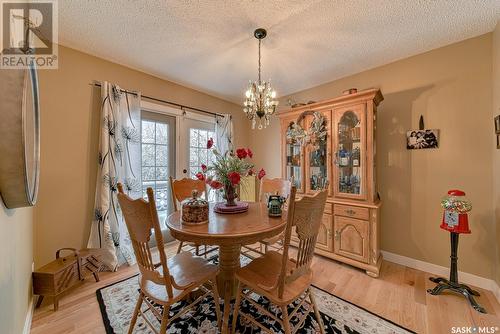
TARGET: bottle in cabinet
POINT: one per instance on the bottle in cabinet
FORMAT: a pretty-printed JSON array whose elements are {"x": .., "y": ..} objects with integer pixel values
[
  {"x": 343, "y": 156},
  {"x": 355, "y": 157}
]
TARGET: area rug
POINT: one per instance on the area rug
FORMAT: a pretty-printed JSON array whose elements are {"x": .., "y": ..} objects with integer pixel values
[{"x": 117, "y": 302}]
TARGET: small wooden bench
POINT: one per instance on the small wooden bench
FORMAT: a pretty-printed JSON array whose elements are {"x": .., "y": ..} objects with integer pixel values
[{"x": 64, "y": 273}]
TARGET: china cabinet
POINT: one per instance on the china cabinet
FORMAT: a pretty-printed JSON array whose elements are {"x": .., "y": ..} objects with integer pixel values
[{"x": 334, "y": 141}]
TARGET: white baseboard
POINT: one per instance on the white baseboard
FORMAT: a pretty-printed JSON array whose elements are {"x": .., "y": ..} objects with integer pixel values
[
  {"x": 29, "y": 315},
  {"x": 496, "y": 292},
  {"x": 478, "y": 281}
]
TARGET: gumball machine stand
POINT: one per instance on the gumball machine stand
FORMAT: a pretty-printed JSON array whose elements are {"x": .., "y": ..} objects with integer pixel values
[{"x": 455, "y": 221}]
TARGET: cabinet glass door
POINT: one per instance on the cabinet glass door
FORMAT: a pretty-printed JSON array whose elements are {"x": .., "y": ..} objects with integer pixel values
[
  {"x": 293, "y": 160},
  {"x": 349, "y": 157},
  {"x": 294, "y": 163},
  {"x": 317, "y": 166},
  {"x": 317, "y": 151}
]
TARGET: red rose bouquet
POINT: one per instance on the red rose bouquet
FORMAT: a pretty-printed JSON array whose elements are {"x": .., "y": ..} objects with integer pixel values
[{"x": 226, "y": 171}]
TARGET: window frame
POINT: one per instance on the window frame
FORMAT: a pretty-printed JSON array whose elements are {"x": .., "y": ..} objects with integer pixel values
[{"x": 181, "y": 117}]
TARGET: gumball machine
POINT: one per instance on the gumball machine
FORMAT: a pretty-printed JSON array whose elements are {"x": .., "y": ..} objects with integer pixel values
[
  {"x": 455, "y": 217},
  {"x": 456, "y": 221}
]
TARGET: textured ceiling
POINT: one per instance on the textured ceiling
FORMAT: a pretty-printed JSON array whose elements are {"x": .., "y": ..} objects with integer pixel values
[{"x": 209, "y": 45}]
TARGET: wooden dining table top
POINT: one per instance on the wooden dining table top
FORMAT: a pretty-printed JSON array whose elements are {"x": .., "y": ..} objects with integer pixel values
[{"x": 242, "y": 228}]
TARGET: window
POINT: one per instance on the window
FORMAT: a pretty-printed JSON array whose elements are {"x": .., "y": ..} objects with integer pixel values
[
  {"x": 171, "y": 151},
  {"x": 198, "y": 152},
  {"x": 158, "y": 145}
]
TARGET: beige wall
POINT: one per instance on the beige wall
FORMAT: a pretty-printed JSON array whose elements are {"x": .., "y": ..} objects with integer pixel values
[
  {"x": 496, "y": 152},
  {"x": 69, "y": 139},
  {"x": 16, "y": 258},
  {"x": 451, "y": 88}
]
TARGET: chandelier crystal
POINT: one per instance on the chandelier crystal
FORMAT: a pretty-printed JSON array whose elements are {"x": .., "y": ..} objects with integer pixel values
[{"x": 260, "y": 103}]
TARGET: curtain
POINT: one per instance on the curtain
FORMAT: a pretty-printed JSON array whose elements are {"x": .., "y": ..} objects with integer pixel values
[
  {"x": 224, "y": 133},
  {"x": 119, "y": 161},
  {"x": 223, "y": 140}
]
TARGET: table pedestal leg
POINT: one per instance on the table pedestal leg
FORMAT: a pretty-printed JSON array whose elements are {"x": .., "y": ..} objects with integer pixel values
[{"x": 229, "y": 262}]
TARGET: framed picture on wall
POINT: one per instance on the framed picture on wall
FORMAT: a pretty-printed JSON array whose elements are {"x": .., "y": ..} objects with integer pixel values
[
  {"x": 419, "y": 139},
  {"x": 497, "y": 124},
  {"x": 498, "y": 141}
]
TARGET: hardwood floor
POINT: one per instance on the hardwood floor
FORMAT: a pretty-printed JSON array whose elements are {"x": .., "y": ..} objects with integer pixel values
[{"x": 399, "y": 294}]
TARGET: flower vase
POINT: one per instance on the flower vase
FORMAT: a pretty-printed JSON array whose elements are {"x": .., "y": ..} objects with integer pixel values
[{"x": 230, "y": 194}]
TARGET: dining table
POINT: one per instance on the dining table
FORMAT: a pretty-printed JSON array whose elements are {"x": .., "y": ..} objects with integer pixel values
[{"x": 229, "y": 232}]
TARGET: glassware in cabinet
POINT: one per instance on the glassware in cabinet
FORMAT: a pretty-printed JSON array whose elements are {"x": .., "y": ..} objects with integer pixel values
[
  {"x": 318, "y": 173},
  {"x": 349, "y": 162},
  {"x": 294, "y": 163},
  {"x": 318, "y": 150},
  {"x": 294, "y": 156}
]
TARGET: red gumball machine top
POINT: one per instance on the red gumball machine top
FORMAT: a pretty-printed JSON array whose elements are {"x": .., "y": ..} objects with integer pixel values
[{"x": 455, "y": 217}]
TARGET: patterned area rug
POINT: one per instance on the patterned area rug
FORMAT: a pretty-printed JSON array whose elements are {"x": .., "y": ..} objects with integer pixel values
[{"x": 117, "y": 303}]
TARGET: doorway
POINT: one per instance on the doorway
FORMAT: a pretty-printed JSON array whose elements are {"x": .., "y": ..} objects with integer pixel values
[{"x": 174, "y": 143}]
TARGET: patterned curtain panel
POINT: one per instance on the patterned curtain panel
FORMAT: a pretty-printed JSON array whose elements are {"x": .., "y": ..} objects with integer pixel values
[
  {"x": 224, "y": 133},
  {"x": 119, "y": 161},
  {"x": 223, "y": 140}
]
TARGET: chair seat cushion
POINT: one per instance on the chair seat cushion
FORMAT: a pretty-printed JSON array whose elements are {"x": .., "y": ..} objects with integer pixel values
[
  {"x": 185, "y": 268},
  {"x": 262, "y": 273}
]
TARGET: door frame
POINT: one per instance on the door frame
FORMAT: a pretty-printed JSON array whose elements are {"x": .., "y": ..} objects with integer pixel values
[{"x": 180, "y": 115}]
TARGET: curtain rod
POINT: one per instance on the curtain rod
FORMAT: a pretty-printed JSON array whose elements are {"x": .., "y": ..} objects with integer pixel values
[{"x": 181, "y": 106}]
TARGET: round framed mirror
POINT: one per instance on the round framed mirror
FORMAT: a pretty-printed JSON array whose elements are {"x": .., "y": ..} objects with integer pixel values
[{"x": 20, "y": 139}]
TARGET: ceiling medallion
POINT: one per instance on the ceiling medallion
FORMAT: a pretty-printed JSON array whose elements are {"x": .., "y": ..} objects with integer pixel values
[{"x": 260, "y": 102}]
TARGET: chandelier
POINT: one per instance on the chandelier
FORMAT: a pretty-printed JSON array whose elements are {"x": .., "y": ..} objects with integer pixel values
[{"x": 260, "y": 102}]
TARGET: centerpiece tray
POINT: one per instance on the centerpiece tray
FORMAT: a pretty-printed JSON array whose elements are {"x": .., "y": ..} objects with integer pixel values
[{"x": 222, "y": 207}]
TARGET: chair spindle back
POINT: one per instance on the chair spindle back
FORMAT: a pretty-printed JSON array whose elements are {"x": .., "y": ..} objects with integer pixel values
[
  {"x": 305, "y": 215},
  {"x": 274, "y": 186},
  {"x": 183, "y": 188},
  {"x": 141, "y": 218}
]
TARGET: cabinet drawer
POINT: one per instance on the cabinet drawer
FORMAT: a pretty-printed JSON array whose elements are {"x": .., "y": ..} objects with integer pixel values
[
  {"x": 351, "y": 211},
  {"x": 328, "y": 208}
]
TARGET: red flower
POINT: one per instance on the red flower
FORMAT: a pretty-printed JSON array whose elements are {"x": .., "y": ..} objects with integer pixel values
[
  {"x": 250, "y": 172},
  {"x": 200, "y": 176},
  {"x": 210, "y": 143},
  {"x": 215, "y": 184},
  {"x": 241, "y": 153},
  {"x": 234, "y": 177},
  {"x": 203, "y": 167},
  {"x": 250, "y": 153},
  {"x": 262, "y": 173}
]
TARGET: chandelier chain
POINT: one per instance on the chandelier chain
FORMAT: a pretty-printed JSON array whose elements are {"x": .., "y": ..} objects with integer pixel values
[{"x": 260, "y": 81}]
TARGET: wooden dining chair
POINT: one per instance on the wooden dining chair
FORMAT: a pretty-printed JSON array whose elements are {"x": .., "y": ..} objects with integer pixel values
[
  {"x": 283, "y": 280},
  {"x": 181, "y": 190},
  {"x": 166, "y": 283},
  {"x": 269, "y": 187}
]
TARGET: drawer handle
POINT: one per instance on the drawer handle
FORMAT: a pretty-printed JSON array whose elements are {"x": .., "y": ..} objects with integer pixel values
[
  {"x": 337, "y": 235},
  {"x": 350, "y": 212},
  {"x": 329, "y": 233}
]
